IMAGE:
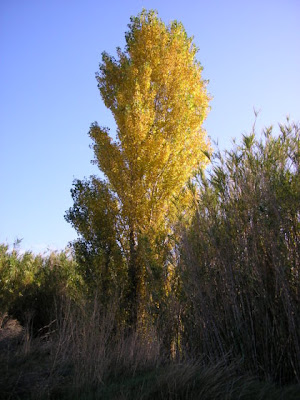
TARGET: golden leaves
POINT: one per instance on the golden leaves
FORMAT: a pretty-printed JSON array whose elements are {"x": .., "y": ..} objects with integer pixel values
[{"x": 159, "y": 101}]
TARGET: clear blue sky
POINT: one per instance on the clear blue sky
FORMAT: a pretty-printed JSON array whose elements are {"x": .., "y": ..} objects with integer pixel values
[{"x": 49, "y": 53}]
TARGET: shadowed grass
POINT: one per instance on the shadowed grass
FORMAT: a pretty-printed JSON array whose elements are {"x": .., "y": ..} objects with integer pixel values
[{"x": 130, "y": 368}]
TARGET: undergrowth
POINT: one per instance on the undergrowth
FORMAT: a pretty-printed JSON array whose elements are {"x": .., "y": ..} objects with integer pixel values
[{"x": 225, "y": 324}]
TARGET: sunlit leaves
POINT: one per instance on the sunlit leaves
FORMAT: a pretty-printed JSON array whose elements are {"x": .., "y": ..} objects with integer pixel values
[{"x": 159, "y": 101}]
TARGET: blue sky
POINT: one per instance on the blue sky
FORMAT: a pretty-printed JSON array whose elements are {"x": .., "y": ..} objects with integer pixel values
[{"x": 50, "y": 51}]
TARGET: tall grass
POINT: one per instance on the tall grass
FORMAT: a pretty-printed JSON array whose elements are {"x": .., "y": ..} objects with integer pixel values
[
  {"x": 98, "y": 346},
  {"x": 32, "y": 285},
  {"x": 241, "y": 258},
  {"x": 89, "y": 357}
]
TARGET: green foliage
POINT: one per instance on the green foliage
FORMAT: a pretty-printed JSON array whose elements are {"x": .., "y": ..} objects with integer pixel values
[
  {"x": 101, "y": 247},
  {"x": 241, "y": 256},
  {"x": 31, "y": 287}
]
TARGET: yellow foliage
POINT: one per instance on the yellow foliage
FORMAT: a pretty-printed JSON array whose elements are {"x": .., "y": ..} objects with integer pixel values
[{"x": 159, "y": 101}]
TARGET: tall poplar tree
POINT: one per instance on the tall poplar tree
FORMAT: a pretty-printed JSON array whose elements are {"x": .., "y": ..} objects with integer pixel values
[{"x": 159, "y": 101}]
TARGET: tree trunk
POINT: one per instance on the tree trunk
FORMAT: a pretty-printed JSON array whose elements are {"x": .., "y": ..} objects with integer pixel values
[{"x": 133, "y": 280}]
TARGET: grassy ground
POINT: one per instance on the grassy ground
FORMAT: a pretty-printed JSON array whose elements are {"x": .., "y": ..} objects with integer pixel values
[{"x": 34, "y": 369}]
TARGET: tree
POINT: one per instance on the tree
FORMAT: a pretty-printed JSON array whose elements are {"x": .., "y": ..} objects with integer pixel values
[
  {"x": 94, "y": 215},
  {"x": 158, "y": 98}
]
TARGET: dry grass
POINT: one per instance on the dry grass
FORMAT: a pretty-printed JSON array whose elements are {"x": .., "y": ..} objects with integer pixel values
[
  {"x": 89, "y": 357},
  {"x": 240, "y": 259}
]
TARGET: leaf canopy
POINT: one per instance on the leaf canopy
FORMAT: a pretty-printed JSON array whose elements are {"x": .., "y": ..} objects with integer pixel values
[{"x": 159, "y": 100}]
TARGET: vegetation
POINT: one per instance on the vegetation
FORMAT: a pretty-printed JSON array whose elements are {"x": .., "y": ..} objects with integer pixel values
[
  {"x": 31, "y": 286},
  {"x": 159, "y": 101},
  {"x": 184, "y": 282},
  {"x": 240, "y": 257}
]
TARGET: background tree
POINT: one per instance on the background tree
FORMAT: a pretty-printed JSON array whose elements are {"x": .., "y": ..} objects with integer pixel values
[{"x": 159, "y": 101}]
